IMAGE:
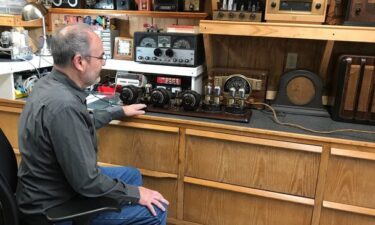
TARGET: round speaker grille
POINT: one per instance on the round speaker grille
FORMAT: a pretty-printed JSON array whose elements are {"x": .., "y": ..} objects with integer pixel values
[{"x": 300, "y": 90}]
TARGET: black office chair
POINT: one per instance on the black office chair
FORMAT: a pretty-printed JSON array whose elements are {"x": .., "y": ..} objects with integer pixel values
[{"x": 79, "y": 210}]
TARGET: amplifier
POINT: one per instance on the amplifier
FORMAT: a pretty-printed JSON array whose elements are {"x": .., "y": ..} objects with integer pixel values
[
  {"x": 68, "y": 4},
  {"x": 360, "y": 13},
  {"x": 168, "y": 5},
  {"x": 355, "y": 94},
  {"x": 312, "y": 11},
  {"x": 125, "y": 5},
  {"x": 100, "y": 4},
  {"x": 174, "y": 49}
]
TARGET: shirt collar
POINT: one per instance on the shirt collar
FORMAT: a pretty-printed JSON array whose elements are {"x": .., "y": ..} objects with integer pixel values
[{"x": 65, "y": 80}]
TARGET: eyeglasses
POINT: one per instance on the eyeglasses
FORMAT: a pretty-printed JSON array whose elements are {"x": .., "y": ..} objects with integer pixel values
[{"x": 103, "y": 57}]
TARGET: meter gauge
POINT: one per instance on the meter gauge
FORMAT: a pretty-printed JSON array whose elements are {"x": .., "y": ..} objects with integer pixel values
[
  {"x": 164, "y": 41},
  {"x": 181, "y": 44},
  {"x": 148, "y": 42},
  {"x": 237, "y": 81}
]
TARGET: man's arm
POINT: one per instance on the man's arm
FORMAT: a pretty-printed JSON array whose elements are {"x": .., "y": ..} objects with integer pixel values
[{"x": 103, "y": 117}]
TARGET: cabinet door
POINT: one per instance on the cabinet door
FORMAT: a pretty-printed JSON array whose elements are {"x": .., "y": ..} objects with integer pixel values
[
  {"x": 210, "y": 206},
  {"x": 144, "y": 146},
  {"x": 271, "y": 165},
  {"x": 351, "y": 178}
]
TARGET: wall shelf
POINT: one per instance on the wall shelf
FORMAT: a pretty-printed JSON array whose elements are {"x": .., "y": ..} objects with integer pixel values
[
  {"x": 289, "y": 30},
  {"x": 179, "y": 15},
  {"x": 16, "y": 21}
]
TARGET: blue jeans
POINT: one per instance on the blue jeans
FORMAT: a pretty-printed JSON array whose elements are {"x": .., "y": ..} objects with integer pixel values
[{"x": 133, "y": 214}]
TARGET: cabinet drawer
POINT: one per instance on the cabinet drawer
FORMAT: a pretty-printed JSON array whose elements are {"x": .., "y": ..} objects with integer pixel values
[
  {"x": 253, "y": 162},
  {"x": 210, "y": 206},
  {"x": 335, "y": 217},
  {"x": 351, "y": 178},
  {"x": 168, "y": 188},
  {"x": 143, "y": 146}
]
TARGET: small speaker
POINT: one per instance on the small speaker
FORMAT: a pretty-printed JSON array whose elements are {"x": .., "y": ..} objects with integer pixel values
[
  {"x": 125, "y": 5},
  {"x": 355, "y": 92},
  {"x": 300, "y": 92},
  {"x": 67, "y": 4}
]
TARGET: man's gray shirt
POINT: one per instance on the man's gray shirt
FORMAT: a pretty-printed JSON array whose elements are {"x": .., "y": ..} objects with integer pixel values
[{"x": 57, "y": 140}]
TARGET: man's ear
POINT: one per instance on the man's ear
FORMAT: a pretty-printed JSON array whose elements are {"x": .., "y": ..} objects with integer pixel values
[{"x": 79, "y": 63}]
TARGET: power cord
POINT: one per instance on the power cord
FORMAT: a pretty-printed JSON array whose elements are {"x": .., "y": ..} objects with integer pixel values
[{"x": 276, "y": 119}]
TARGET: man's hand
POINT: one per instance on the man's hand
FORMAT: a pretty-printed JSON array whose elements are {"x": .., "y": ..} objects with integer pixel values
[
  {"x": 149, "y": 198},
  {"x": 134, "y": 109}
]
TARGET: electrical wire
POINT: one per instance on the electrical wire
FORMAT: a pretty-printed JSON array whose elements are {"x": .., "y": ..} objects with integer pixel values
[
  {"x": 276, "y": 119},
  {"x": 19, "y": 57}
]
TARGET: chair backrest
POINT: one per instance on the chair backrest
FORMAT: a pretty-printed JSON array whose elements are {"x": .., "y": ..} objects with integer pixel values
[
  {"x": 8, "y": 182},
  {"x": 8, "y": 162}
]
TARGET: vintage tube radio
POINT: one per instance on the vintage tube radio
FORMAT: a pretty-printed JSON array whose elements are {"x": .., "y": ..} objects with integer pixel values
[
  {"x": 360, "y": 13},
  {"x": 308, "y": 11}
]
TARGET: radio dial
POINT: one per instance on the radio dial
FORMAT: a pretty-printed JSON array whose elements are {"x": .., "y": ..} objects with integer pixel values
[
  {"x": 273, "y": 4},
  {"x": 169, "y": 52},
  {"x": 318, "y": 6},
  {"x": 190, "y": 100},
  {"x": 158, "y": 52},
  {"x": 129, "y": 94},
  {"x": 160, "y": 97}
]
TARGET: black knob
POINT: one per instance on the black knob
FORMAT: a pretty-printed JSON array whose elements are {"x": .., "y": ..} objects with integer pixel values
[
  {"x": 273, "y": 4},
  {"x": 174, "y": 60},
  {"x": 154, "y": 58},
  {"x": 158, "y": 52},
  {"x": 357, "y": 11},
  {"x": 140, "y": 57},
  {"x": 242, "y": 15},
  {"x": 169, "y": 52},
  {"x": 186, "y": 60},
  {"x": 318, "y": 6},
  {"x": 231, "y": 15},
  {"x": 180, "y": 60},
  {"x": 221, "y": 14},
  {"x": 147, "y": 58},
  {"x": 129, "y": 94},
  {"x": 252, "y": 16}
]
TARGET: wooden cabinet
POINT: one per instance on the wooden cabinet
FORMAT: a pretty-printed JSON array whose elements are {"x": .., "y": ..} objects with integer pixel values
[{"x": 216, "y": 174}]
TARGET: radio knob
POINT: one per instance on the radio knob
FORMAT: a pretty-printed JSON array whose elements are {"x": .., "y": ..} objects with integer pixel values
[
  {"x": 147, "y": 58},
  {"x": 221, "y": 14},
  {"x": 242, "y": 15},
  {"x": 252, "y": 16},
  {"x": 174, "y": 60},
  {"x": 273, "y": 4},
  {"x": 169, "y": 52},
  {"x": 154, "y": 58},
  {"x": 140, "y": 57},
  {"x": 231, "y": 15},
  {"x": 180, "y": 60},
  {"x": 186, "y": 60},
  {"x": 157, "y": 52},
  {"x": 318, "y": 6}
]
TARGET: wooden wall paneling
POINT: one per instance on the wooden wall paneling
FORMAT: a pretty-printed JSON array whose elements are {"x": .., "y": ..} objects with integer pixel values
[
  {"x": 335, "y": 217},
  {"x": 137, "y": 23},
  {"x": 168, "y": 188},
  {"x": 188, "y": 22},
  {"x": 138, "y": 147},
  {"x": 162, "y": 23},
  {"x": 219, "y": 207},
  {"x": 319, "y": 194},
  {"x": 351, "y": 179},
  {"x": 219, "y": 50},
  {"x": 252, "y": 165},
  {"x": 309, "y": 52}
]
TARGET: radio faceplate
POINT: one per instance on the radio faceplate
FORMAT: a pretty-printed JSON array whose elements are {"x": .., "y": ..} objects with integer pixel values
[
  {"x": 169, "y": 48},
  {"x": 312, "y": 11}
]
